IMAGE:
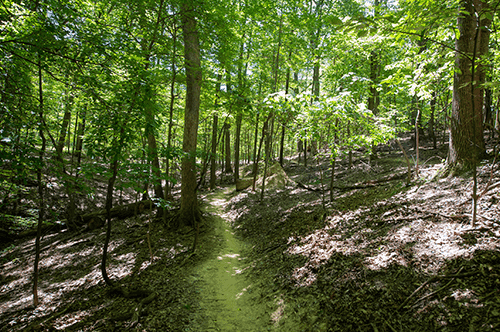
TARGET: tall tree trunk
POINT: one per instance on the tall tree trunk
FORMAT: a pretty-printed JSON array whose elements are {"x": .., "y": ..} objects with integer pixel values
[
  {"x": 80, "y": 134},
  {"x": 239, "y": 118},
  {"x": 269, "y": 136},
  {"x": 168, "y": 185},
  {"x": 213, "y": 160},
  {"x": 256, "y": 163},
  {"x": 269, "y": 146},
  {"x": 300, "y": 148},
  {"x": 64, "y": 126},
  {"x": 109, "y": 204},
  {"x": 189, "y": 202},
  {"x": 497, "y": 116},
  {"x": 432, "y": 133},
  {"x": 305, "y": 153},
  {"x": 150, "y": 131},
  {"x": 350, "y": 147},
  {"x": 466, "y": 135},
  {"x": 222, "y": 150},
  {"x": 488, "y": 112},
  {"x": 227, "y": 141},
  {"x": 283, "y": 124},
  {"x": 239, "y": 115},
  {"x": 113, "y": 166},
  {"x": 153, "y": 153},
  {"x": 256, "y": 135},
  {"x": 215, "y": 140},
  {"x": 374, "y": 97},
  {"x": 41, "y": 208}
]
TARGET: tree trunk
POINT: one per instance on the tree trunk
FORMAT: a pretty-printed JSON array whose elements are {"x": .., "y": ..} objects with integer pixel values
[
  {"x": 488, "y": 113},
  {"x": 332, "y": 178},
  {"x": 417, "y": 141},
  {"x": 497, "y": 116},
  {"x": 432, "y": 133},
  {"x": 237, "y": 138},
  {"x": 80, "y": 133},
  {"x": 222, "y": 150},
  {"x": 41, "y": 208},
  {"x": 64, "y": 127},
  {"x": 150, "y": 130},
  {"x": 268, "y": 148},
  {"x": 466, "y": 135},
  {"x": 300, "y": 148},
  {"x": 228, "y": 168},
  {"x": 305, "y": 153},
  {"x": 213, "y": 160},
  {"x": 350, "y": 148},
  {"x": 215, "y": 140},
  {"x": 283, "y": 125},
  {"x": 168, "y": 186},
  {"x": 282, "y": 144},
  {"x": 153, "y": 157},
  {"x": 256, "y": 163},
  {"x": 109, "y": 205},
  {"x": 256, "y": 136},
  {"x": 189, "y": 201}
]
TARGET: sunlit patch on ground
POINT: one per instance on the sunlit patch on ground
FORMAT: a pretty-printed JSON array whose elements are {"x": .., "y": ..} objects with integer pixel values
[
  {"x": 378, "y": 243},
  {"x": 70, "y": 319},
  {"x": 70, "y": 266},
  {"x": 384, "y": 259},
  {"x": 279, "y": 313}
]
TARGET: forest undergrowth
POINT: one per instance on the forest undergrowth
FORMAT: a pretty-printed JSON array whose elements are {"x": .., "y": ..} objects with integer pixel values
[
  {"x": 382, "y": 256},
  {"x": 387, "y": 257}
]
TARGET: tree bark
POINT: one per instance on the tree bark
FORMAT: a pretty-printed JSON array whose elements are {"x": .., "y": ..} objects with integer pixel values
[
  {"x": 237, "y": 139},
  {"x": 466, "y": 135},
  {"x": 432, "y": 132},
  {"x": 153, "y": 154},
  {"x": 168, "y": 189},
  {"x": 213, "y": 160},
  {"x": 64, "y": 127},
  {"x": 189, "y": 201},
  {"x": 80, "y": 133},
  {"x": 256, "y": 136},
  {"x": 284, "y": 120},
  {"x": 41, "y": 208},
  {"x": 268, "y": 148},
  {"x": 227, "y": 142}
]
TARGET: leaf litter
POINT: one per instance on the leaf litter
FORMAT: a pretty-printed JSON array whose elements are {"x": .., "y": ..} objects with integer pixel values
[{"x": 382, "y": 258}]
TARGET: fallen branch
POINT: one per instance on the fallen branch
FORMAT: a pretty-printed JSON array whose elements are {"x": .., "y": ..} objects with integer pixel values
[
  {"x": 120, "y": 211},
  {"x": 435, "y": 292},
  {"x": 304, "y": 186},
  {"x": 434, "y": 278},
  {"x": 373, "y": 183}
]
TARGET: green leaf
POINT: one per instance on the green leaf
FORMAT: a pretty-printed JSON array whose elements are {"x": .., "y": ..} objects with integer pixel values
[
  {"x": 333, "y": 20},
  {"x": 362, "y": 33}
]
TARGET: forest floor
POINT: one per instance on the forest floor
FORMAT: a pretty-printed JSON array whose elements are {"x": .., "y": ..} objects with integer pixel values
[{"x": 382, "y": 256}]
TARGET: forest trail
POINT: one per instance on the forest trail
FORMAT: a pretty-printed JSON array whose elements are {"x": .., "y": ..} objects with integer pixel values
[{"x": 229, "y": 301}]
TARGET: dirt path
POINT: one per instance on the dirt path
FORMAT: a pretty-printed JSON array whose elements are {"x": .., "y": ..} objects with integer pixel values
[{"x": 229, "y": 301}]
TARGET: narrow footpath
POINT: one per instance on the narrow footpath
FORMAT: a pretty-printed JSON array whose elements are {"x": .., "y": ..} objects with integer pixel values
[{"x": 229, "y": 301}]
